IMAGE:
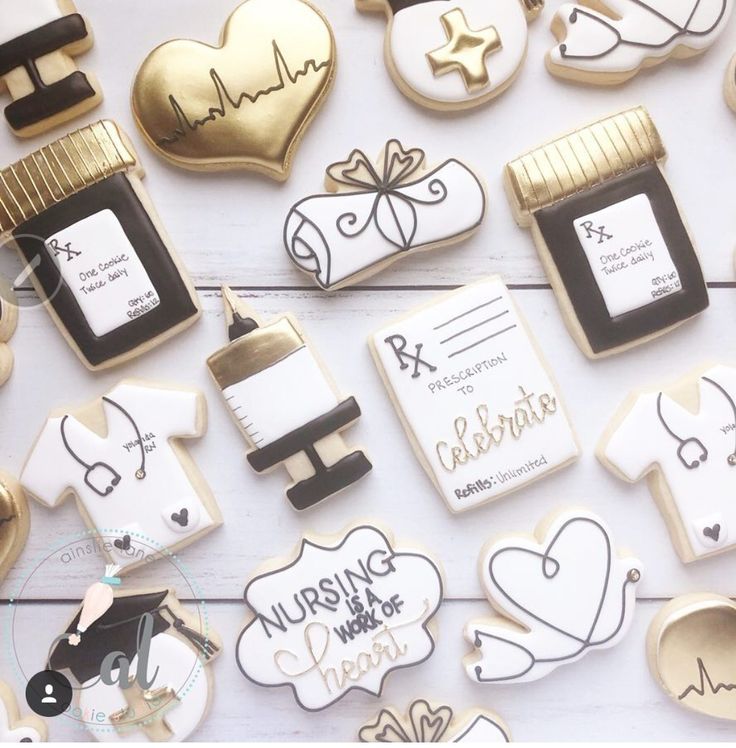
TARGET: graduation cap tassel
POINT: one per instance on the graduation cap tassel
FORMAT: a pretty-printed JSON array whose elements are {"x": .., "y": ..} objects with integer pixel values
[
  {"x": 97, "y": 601},
  {"x": 201, "y": 642}
]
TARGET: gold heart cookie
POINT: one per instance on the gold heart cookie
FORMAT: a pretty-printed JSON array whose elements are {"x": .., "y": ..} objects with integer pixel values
[
  {"x": 15, "y": 522},
  {"x": 692, "y": 653},
  {"x": 245, "y": 104}
]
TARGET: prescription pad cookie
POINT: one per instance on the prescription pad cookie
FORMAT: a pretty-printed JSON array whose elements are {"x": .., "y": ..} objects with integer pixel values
[
  {"x": 429, "y": 723},
  {"x": 38, "y": 41},
  {"x": 8, "y": 323},
  {"x": 609, "y": 233},
  {"x": 246, "y": 103},
  {"x": 341, "y": 615},
  {"x": 378, "y": 213},
  {"x": 286, "y": 405},
  {"x": 682, "y": 438},
  {"x": 454, "y": 55},
  {"x": 15, "y": 522},
  {"x": 121, "y": 458},
  {"x": 474, "y": 394},
  {"x": 559, "y": 594},
  {"x": 608, "y": 42},
  {"x": 81, "y": 220},
  {"x": 13, "y": 728}
]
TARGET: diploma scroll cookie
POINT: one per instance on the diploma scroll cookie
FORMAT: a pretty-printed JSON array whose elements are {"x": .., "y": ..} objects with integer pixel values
[
  {"x": 377, "y": 214},
  {"x": 121, "y": 458},
  {"x": 340, "y": 616},
  {"x": 429, "y": 723},
  {"x": 563, "y": 593},
  {"x": 454, "y": 55},
  {"x": 38, "y": 41},
  {"x": 246, "y": 103},
  {"x": 286, "y": 404},
  {"x": 8, "y": 323},
  {"x": 13, "y": 727},
  {"x": 683, "y": 439},
  {"x": 607, "y": 42},
  {"x": 616, "y": 249},
  {"x": 474, "y": 394},
  {"x": 15, "y": 522}
]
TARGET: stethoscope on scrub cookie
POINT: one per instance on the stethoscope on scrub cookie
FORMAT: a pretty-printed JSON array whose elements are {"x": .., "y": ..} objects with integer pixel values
[
  {"x": 102, "y": 473},
  {"x": 693, "y": 441}
]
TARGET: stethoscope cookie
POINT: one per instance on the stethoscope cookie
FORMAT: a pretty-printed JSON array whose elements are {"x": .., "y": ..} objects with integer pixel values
[
  {"x": 379, "y": 213},
  {"x": 121, "y": 459},
  {"x": 429, "y": 723},
  {"x": 15, "y": 522},
  {"x": 38, "y": 41},
  {"x": 341, "y": 615},
  {"x": 691, "y": 646},
  {"x": 609, "y": 232},
  {"x": 458, "y": 54},
  {"x": 563, "y": 592},
  {"x": 13, "y": 728},
  {"x": 609, "y": 41},
  {"x": 684, "y": 439},
  {"x": 246, "y": 103},
  {"x": 8, "y": 323},
  {"x": 475, "y": 396}
]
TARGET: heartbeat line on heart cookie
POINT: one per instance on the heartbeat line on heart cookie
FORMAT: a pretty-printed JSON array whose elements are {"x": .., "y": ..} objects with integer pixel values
[
  {"x": 706, "y": 685},
  {"x": 227, "y": 102}
]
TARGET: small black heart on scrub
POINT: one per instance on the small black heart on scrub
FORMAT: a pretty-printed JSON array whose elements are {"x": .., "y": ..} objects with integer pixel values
[
  {"x": 713, "y": 532},
  {"x": 124, "y": 544},
  {"x": 182, "y": 518}
]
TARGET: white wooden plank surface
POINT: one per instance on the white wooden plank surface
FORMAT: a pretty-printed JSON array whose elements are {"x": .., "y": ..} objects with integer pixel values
[{"x": 228, "y": 228}]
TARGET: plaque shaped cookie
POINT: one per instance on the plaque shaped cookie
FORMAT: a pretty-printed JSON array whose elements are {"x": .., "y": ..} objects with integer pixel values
[
  {"x": 429, "y": 723},
  {"x": 454, "y": 55},
  {"x": 682, "y": 438},
  {"x": 609, "y": 41},
  {"x": 13, "y": 728},
  {"x": 15, "y": 523},
  {"x": 563, "y": 593},
  {"x": 81, "y": 220},
  {"x": 379, "y": 213},
  {"x": 691, "y": 646},
  {"x": 246, "y": 103},
  {"x": 8, "y": 323},
  {"x": 474, "y": 394},
  {"x": 38, "y": 41},
  {"x": 167, "y": 649},
  {"x": 121, "y": 458},
  {"x": 609, "y": 233},
  {"x": 340, "y": 616}
]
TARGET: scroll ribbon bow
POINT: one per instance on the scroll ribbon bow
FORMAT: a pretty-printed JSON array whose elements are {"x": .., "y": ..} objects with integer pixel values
[{"x": 393, "y": 211}]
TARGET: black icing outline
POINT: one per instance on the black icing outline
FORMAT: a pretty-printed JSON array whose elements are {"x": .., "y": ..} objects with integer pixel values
[{"x": 481, "y": 718}]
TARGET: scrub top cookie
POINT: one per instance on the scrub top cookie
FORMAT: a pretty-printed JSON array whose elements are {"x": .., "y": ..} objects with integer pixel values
[
  {"x": 607, "y": 42},
  {"x": 121, "y": 458},
  {"x": 38, "y": 41},
  {"x": 682, "y": 438},
  {"x": 13, "y": 728},
  {"x": 561, "y": 593},
  {"x": 246, "y": 103},
  {"x": 377, "y": 214},
  {"x": 610, "y": 235},
  {"x": 15, "y": 523},
  {"x": 341, "y": 615},
  {"x": 8, "y": 323},
  {"x": 454, "y": 55}
]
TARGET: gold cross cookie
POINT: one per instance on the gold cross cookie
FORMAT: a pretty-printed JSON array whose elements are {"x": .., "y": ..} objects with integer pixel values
[
  {"x": 466, "y": 50},
  {"x": 146, "y": 711}
]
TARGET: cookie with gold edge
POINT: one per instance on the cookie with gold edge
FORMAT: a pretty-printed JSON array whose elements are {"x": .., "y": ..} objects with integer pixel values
[
  {"x": 15, "y": 522},
  {"x": 13, "y": 728}
]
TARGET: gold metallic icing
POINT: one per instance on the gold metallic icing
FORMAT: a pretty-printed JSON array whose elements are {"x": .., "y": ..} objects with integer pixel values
[{"x": 14, "y": 523}]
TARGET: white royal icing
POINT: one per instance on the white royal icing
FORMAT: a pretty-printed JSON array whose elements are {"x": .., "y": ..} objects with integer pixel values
[
  {"x": 18, "y": 17},
  {"x": 479, "y": 729},
  {"x": 138, "y": 508},
  {"x": 103, "y": 272},
  {"x": 658, "y": 434},
  {"x": 636, "y": 31},
  {"x": 17, "y": 734},
  {"x": 465, "y": 360},
  {"x": 628, "y": 255},
  {"x": 361, "y": 590},
  {"x": 570, "y": 592}
]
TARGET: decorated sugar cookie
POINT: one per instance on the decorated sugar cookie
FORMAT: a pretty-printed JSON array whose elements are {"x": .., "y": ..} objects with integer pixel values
[
  {"x": 121, "y": 458},
  {"x": 15, "y": 522},
  {"x": 8, "y": 323},
  {"x": 77, "y": 213},
  {"x": 691, "y": 646},
  {"x": 609, "y": 233},
  {"x": 730, "y": 84},
  {"x": 563, "y": 593},
  {"x": 428, "y": 723},
  {"x": 13, "y": 728},
  {"x": 166, "y": 649},
  {"x": 246, "y": 103},
  {"x": 609, "y": 41},
  {"x": 377, "y": 214},
  {"x": 340, "y": 616},
  {"x": 682, "y": 438},
  {"x": 38, "y": 41},
  {"x": 475, "y": 396},
  {"x": 457, "y": 54},
  {"x": 286, "y": 405}
]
